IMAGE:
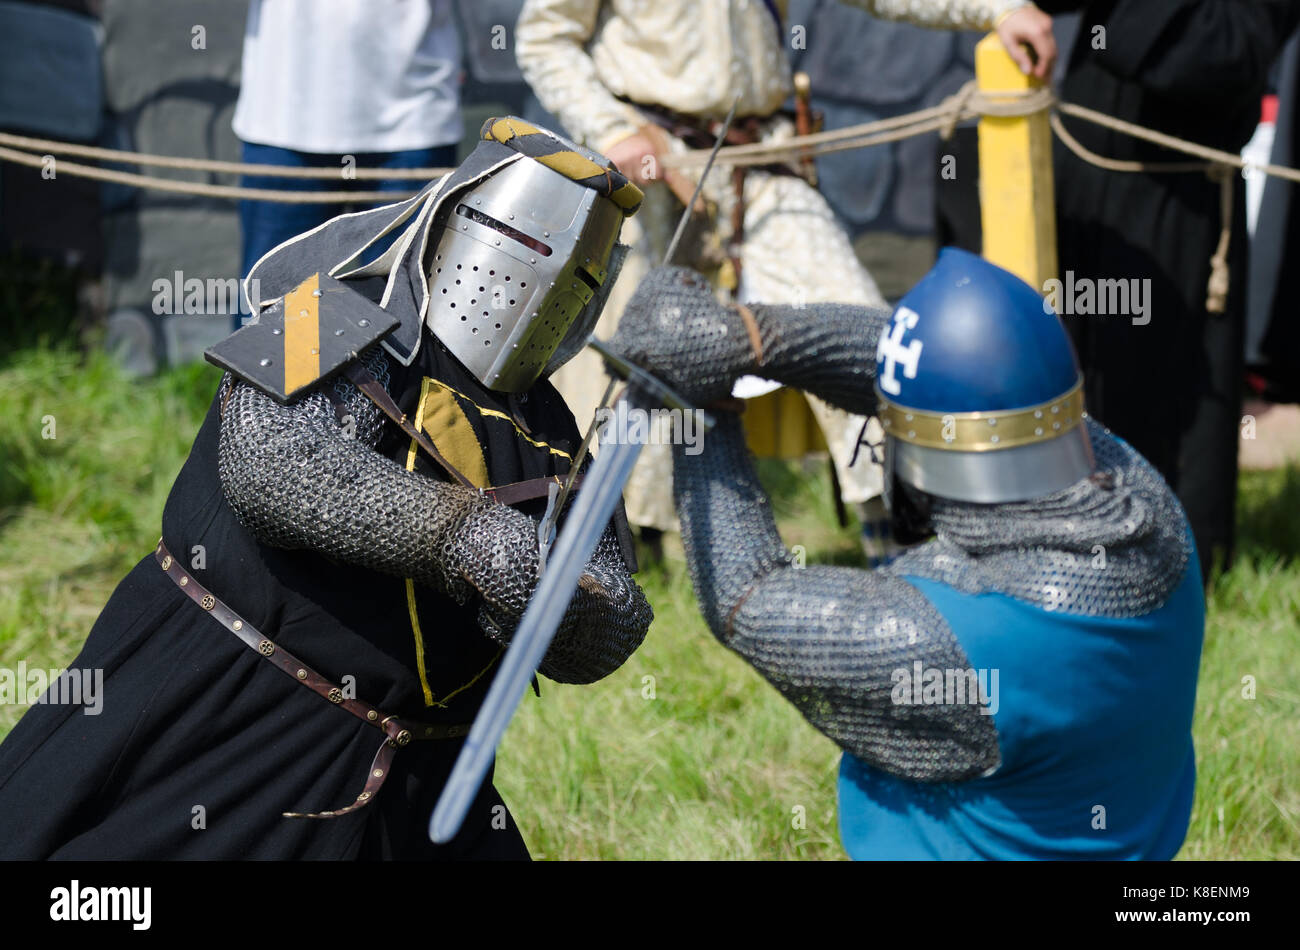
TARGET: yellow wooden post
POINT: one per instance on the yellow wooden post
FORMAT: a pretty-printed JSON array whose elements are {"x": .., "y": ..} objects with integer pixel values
[{"x": 1017, "y": 192}]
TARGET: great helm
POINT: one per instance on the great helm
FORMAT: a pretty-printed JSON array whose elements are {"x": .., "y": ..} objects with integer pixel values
[
  {"x": 980, "y": 394},
  {"x": 520, "y": 263}
]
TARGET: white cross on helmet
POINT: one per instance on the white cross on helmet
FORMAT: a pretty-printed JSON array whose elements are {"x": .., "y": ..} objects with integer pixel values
[{"x": 892, "y": 351}]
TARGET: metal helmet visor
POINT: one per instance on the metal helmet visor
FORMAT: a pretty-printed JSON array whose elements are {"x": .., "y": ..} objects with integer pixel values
[{"x": 517, "y": 261}]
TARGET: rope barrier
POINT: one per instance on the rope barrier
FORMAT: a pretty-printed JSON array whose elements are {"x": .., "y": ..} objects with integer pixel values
[
  {"x": 1216, "y": 295},
  {"x": 968, "y": 103},
  {"x": 201, "y": 188},
  {"x": 1210, "y": 155},
  {"x": 53, "y": 147}
]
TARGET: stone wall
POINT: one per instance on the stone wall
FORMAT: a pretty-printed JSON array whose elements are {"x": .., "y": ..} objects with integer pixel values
[{"x": 171, "y": 78}]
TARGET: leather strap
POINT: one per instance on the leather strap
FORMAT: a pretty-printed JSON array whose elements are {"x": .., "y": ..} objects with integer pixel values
[
  {"x": 516, "y": 492},
  {"x": 397, "y": 732},
  {"x": 366, "y": 382},
  {"x": 751, "y": 328},
  {"x": 511, "y": 494},
  {"x": 699, "y": 131},
  {"x": 737, "y": 240}
]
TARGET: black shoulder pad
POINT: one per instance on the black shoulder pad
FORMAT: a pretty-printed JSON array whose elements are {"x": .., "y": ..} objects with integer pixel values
[{"x": 300, "y": 339}]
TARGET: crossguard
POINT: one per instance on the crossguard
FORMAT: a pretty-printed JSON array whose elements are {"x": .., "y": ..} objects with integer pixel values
[
  {"x": 647, "y": 383},
  {"x": 546, "y": 527}
]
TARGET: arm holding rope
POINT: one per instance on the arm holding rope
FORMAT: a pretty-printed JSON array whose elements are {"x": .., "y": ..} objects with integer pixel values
[
  {"x": 551, "y": 38},
  {"x": 1017, "y": 22}
]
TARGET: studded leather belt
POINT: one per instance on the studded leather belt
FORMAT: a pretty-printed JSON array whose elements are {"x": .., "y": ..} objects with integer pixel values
[{"x": 397, "y": 732}]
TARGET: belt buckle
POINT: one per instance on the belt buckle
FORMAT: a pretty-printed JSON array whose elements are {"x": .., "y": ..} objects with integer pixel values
[{"x": 403, "y": 737}]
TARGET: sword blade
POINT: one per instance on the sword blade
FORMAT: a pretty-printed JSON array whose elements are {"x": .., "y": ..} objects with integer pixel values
[
  {"x": 699, "y": 185},
  {"x": 580, "y": 457},
  {"x": 601, "y": 491}
]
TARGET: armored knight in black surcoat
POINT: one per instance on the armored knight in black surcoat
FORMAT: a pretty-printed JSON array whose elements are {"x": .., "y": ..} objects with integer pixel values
[{"x": 355, "y": 527}]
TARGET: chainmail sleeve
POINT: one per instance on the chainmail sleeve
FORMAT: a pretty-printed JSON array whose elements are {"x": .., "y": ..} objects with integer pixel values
[
  {"x": 674, "y": 327},
  {"x": 827, "y": 349},
  {"x": 607, "y": 600},
  {"x": 308, "y": 476},
  {"x": 828, "y": 638}
]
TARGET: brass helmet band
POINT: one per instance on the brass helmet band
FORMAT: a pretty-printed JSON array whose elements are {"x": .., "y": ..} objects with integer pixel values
[{"x": 983, "y": 431}]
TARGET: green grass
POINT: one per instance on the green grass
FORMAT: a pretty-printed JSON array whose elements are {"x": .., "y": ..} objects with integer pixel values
[
  {"x": 1248, "y": 783},
  {"x": 684, "y": 752}
]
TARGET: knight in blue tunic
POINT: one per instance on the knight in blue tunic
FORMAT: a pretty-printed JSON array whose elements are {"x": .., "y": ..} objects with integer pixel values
[{"x": 1019, "y": 685}]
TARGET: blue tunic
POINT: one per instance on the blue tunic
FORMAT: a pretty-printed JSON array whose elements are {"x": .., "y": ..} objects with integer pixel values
[{"x": 1094, "y": 719}]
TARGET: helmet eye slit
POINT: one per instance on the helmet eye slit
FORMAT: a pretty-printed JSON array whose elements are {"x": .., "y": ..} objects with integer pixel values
[
  {"x": 526, "y": 299},
  {"x": 478, "y": 217}
]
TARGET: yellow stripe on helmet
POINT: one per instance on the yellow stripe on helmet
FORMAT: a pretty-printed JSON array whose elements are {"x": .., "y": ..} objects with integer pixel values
[{"x": 544, "y": 147}]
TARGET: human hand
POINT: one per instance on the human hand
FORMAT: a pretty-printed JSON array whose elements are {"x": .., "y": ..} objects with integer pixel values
[
  {"x": 636, "y": 157},
  {"x": 1029, "y": 26}
]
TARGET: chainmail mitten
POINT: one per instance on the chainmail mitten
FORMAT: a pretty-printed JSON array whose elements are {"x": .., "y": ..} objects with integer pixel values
[
  {"x": 675, "y": 328},
  {"x": 304, "y": 476},
  {"x": 1112, "y": 545},
  {"x": 607, "y": 601},
  {"x": 829, "y": 639}
]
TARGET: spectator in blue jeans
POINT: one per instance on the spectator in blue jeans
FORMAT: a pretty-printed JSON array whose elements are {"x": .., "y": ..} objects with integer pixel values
[{"x": 346, "y": 84}]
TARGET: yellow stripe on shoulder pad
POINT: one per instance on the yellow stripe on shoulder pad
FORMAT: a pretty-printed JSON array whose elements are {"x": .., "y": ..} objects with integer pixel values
[{"x": 302, "y": 334}]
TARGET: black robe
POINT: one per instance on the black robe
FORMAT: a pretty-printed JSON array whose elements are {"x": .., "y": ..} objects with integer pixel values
[
  {"x": 191, "y": 717},
  {"x": 1273, "y": 327},
  {"x": 1173, "y": 387}
]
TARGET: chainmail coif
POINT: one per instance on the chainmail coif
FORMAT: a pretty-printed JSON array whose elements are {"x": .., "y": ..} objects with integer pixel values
[
  {"x": 296, "y": 479},
  {"x": 1112, "y": 545},
  {"x": 830, "y": 639}
]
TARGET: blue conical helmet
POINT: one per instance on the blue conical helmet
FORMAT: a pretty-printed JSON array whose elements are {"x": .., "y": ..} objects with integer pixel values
[{"x": 981, "y": 397}]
